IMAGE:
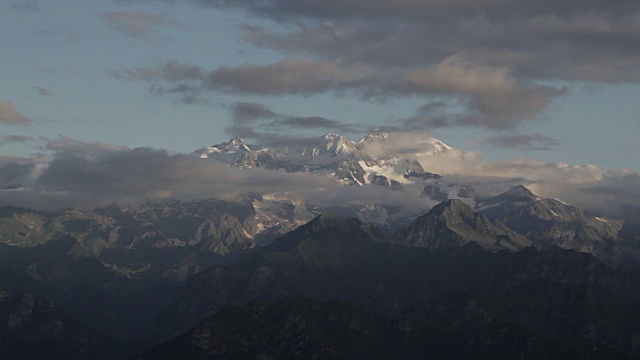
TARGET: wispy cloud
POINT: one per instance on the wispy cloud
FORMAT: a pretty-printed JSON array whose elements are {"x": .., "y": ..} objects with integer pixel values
[
  {"x": 490, "y": 96},
  {"x": 10, "y": 115},
  {"x": 7, "y": 139},
  {"x": 138, "y": 24},
  {"x": 44, "y": 92},
  {"x": 259, "y": 122},
  {"x": 27, "y": 5},
  {"x": 534, "y": 141}
]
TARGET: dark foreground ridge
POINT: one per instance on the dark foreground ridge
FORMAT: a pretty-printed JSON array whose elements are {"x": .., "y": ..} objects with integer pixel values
[
  {"x": 346, "y": 262},
  {"x": 540, "y": 319},
  {"x": 454, "y": 283}
]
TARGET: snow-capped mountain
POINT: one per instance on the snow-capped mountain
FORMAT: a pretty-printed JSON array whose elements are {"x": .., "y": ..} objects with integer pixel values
[
  {"x": 380, "y": 158},
  {"x": 392, "y": 160}
]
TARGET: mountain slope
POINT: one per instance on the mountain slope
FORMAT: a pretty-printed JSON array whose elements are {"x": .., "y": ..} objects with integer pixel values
[
  {"x": 291, "y": 328},
  {"x": 537, "y": 319},
  {"x": 36, "y": 329},
  {"x": 454, "y": 223},
  {"x": 64, "y": 272},
  {"x": 551, "y": 222},
  {"x": 335, "y": 258}
]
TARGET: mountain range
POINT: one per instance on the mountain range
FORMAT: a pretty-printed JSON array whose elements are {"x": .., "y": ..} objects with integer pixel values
[
  {"x": 337, "y": 258},
  {"x": 473, "y": 275},
  {"x": 374, "y": 159}
]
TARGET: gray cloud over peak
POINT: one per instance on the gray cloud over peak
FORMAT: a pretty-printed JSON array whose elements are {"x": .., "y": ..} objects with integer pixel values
[
  {"x": 138, "y": 24},
  {"x": 257, "y": 121},
  {"x": 288, "y": 77},
  {"x": 498, "y": 63},
  {"x": 245, "y": 112},
  {"x": 492, "y": 97}
]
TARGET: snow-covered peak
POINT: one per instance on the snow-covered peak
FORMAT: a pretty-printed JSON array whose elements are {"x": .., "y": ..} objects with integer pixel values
[
  {"x": 384, "y": 145},
  {"x": 234, "y": 145},
  {"x": 378, "y": 155},
  {"x": 438, "y": 145},
  {"x": 375, "y": 136},
  {"x": 338, "y": 144}
]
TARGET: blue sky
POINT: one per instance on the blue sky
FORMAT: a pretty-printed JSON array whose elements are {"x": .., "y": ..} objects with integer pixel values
[{"x": 545, "y": 88}]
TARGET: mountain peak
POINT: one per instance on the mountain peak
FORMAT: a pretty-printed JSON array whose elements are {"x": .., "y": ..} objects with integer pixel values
[
  {"x": 391, "y": 157},
  {"x": 236, "y": 144},
  {"x": 454, "y": 223},
  {"x": 328, "y": 219},
  {"x": 521, "y": 191},
  {"x": 338, "y": 144},
  {"x": 236, "y": 140},
  {"x": 451, "y": 206},
  {"x": 500, "y": 206},
  {"x": 375, "y": 135}
]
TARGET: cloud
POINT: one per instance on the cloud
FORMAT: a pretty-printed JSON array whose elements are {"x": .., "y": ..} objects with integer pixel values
[
  {"x": 286, "y": 77},
  {"x": 492, "y": 97},
  {"x": 64, "y": 146},
  {"x": 14, "y": 139},
  {"x": 384, "y": 48},
  {"x": 91, "y": 174},
  {"x": 27, "y": 5},
  {"x": 14, "y": 172},
  {"x": 420, "y": 11},
  {"x": 614, "y": 193},
  {"x": 523, "y": 141},
  {"x": 489, "y": 95},
  {"x": 136, "y": 176},
  {"x": 138, "y": 24},
  {"x": 172, "y": 71},
  {"x": 10, "y": 115},
  {"x": 585, "y": 43},
  {"x": 259, "y": 122},
  {"x": 498, "y": 64},
  {"x": 244, "y": 112},
  {"x": 181, "y": 76},
  {"x": 43, "y": 92}
]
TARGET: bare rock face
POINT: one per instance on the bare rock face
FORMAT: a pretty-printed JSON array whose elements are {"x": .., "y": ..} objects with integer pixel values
[
  {"x": 454, "y": 223},
  {"x": 551, "y": 222}
]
